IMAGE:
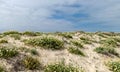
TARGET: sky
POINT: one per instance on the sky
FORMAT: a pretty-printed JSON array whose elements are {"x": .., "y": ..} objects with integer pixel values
[{"x": 60, "y": 15}]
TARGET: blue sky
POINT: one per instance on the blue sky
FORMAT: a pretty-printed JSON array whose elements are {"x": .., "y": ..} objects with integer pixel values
[{"x": 60, "y": 15}]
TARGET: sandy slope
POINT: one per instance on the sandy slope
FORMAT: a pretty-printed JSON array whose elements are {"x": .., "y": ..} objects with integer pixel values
[{"x": 92, "y": 62}]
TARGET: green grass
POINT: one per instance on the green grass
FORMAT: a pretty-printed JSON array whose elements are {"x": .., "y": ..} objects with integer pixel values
[
  {"x": 114, "y": 66},
  {"x": 15, "y": 36},
  {"x": 46, "y": 43},
  {"x": 28, "y": 33},
  {"x": 3, "y": 41},
  {"x": 109, "y": 42},
  {"x": 31, "y": 63},
  {"x": 33, "y": 52},
  {"x": 61, "y": 67},
  {"x": 85, "y": 40},
  {"x": 78, "y": 44},
  {"x": 101, "y": 34},
  {"x": 66, "y": 35},
  {"x": 11, "y": 32},
  {"x": 106, "y": 51},
  {"x": 7, "y": 52},
  {"x": 2, "y": 69},
  {"x": 76, "y": 51}
]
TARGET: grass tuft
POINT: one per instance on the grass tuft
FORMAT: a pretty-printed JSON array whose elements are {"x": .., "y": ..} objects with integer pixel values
[
  {"x": 28, "y": 33},
  {"x": 78, "y": 44},
  {"x": 2, "y": 69},
  {"x": 61, "y": 67},
  {"x": 76, "y": 51},
  {"x": 15, "y": 36},
  {"x": 114, "y": 66},
  {"x": 46, "y": 42},
  {"x": 34, "y": 52},
  {"x": 106, "y": 51},
  {"x": 7, "y": 52},
  {"x": 11, "y": 32},
  {"x": 3, "y": 41},
  {"x": 31, "y": 63}
]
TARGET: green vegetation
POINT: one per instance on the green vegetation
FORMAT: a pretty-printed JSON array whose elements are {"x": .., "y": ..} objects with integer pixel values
[
  {"x": 114, "y": 66},
  {"x": 109, "y": 33},
  {"x": 33, "y": 52},
  {"x": 78, "y": 44},
  {"x": 85, "y": 40},
  {"x": 28, "y": 33},
  {"x": 1, "y": 36},
  {"x": 76, "y": 51},
  {"x": 66, "y": 35},
  {"x": 49, "y": 47},
  {"x": 106, "y": 51},
  {"x": 109, "y": 42},
  {"x": 31, "y": 63},
  {"x": 61, "y": 67},
  {"x": 3, "y": 41},
  {"x": 11, "y": 32},
  {"x": 23, "y": 49},
  {"x": 7, "y": 52},
  {"x": 46, "y": 42},
  {"x": 2, "y": 69},
  {"x": 101, "y": 34},
  {"x": 15, "y": 36}
]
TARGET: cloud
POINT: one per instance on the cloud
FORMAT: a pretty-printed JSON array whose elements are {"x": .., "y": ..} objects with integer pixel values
[{"x": 60, "y": 15}]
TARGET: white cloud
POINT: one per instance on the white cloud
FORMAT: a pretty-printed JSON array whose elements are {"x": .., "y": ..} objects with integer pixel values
[{"x": 35, "y": 14}]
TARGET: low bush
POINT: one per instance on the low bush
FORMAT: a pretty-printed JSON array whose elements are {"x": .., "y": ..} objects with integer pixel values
[
  {"x": 11, "y": 32},
  {"x": 114, "y": 66},
  {"x": 109, "y": 42},
  {"x": 78, "y": 44},
  {"x": 85, "y": 40},
  {"x": 66, "y": 35},
  {"x": 2, "y": 69},
  {"x": 31, "y": 63},
  {"x": 7, "y": 52},
  {"x": 3, "y": 41},
  {"x": 33, "y": 52},
  {"x": 61, "y": 67},
  {"x": 28, "y": 33},
  {"x": 101, "y": 34},
  {"x": 76, "y": 51},
  {"x": 106, "y": 51},
  {"x": 46, "y": 42},
  {"x": 15, "y": 36}
]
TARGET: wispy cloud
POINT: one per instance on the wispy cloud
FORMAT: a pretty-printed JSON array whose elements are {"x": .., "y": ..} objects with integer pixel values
[{"x": 60, "y": 15}]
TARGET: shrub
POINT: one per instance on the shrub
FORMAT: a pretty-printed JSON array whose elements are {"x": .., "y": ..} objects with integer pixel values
[
  {"x": 7, "y": 52},
  {"x": 66, "y": 35},
  {"x": 106, "y": 51},
  {"x": 110, "y": 42},
  {"x": 2, "y": 69},
  {"x": 61, "y": 67},
  {"x": 1, "y": 36},
  {"x": 15, "y": 36},
  {"x": 116, "y": 39},
  {"x": 34, "y": 52},
  {"x": 109, "y": 33},
  {"x": 114, "y": 66},
  {"x": 28, "y": 33},
  {"x": 46, "y": 42},
  {"x": 31, "y": 63},
  {"x": 76, "y": 51},
  {"x": 11, "y": 32},
  {"x": 101, "y": 35},
  {"x": 3, "y": 41},
  {"x": 78, "y": 44},
  {"x": 85, "y": 40}
]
